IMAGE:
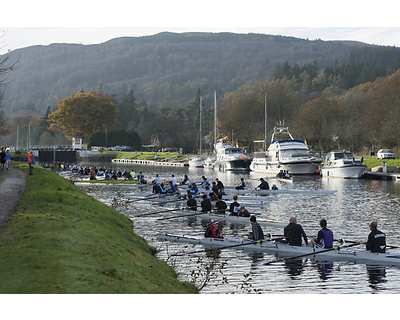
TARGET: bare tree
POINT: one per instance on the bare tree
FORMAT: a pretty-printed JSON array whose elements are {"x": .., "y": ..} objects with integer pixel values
[{"x": 6, "y": 66}]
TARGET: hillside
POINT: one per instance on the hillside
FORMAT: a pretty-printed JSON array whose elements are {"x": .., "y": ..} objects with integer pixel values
[{"x": 166, "y": 64}]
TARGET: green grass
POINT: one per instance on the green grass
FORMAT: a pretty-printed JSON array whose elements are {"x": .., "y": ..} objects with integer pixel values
[
  {"x": 150, "y": 155},
  {"x": 371, "y": 162},
  {"x": 61, "y": 240}
]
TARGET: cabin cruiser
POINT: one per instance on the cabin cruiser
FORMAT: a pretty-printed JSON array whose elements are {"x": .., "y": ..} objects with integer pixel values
[
  {"x": 230, "y": 158},
  {"x": 342, "y": 164},
  {"x": 196, "y": 162},
  {"x": 288, "y": 155},
  {"x": 209, "y": 162}
]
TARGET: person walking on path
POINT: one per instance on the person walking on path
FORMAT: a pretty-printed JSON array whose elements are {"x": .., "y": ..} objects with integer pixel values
[{"x": 31, "y": 162}]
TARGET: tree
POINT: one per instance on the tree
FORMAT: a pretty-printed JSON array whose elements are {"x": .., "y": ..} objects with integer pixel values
[{"x": 82, "y": 114}]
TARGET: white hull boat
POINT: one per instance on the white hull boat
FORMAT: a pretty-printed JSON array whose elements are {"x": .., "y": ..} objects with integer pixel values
[
  {"x": 209, "y": 163},
  {"x": 230, "y": 158},
  {"x": 196, "y": 162},
  {"x": 342, "y": 164},
  {"x": 285, "y": 250},
  {"x": 289, "y": 155}
]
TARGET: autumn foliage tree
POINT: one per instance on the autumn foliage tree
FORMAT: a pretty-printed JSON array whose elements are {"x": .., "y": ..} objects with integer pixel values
[{"x": 84, "y": 113}]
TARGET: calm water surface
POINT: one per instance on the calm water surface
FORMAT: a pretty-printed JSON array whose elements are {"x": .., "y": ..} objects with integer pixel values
[{"x": 348, "y": 212}]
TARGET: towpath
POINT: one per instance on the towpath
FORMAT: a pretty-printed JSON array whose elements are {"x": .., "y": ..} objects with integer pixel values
[{"x": 12, "y": 186}]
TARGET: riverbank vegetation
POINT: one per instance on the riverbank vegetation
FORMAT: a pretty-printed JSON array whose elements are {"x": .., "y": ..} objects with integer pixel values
[{"x": 61, "y": 240}]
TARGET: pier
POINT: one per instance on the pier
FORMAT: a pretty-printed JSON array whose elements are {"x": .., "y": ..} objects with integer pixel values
[{"x": 152, "y": 162}]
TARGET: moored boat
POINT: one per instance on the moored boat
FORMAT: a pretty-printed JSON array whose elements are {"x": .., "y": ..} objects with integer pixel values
[
  {"x": 196, "y": 162},
  {"x": 342, "y": 164},
  {"x": 275, "y": 247},
  {"x": 230, "y": 158},
  {"x": 289, "y": 155}
]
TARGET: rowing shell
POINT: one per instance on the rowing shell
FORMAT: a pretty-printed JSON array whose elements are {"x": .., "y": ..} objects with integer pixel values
[
  {"x": 232, "y": 219},
  {"x": 275, "y": 247},
  {"x": 279, "y": 191}
]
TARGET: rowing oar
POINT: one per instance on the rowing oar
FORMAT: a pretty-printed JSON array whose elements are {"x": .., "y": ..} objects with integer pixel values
[
  {"x": 186, "y": 215},
  {"x": 305, "y": 255},
  {"x": 146, "y": 198},
  {"x": 226, "y": 247},
  {"x": 351, "y": 241},
  {"x": 172, "y": 210}
]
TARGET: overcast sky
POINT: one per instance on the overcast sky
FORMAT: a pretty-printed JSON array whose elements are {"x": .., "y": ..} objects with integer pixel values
[{"x": 28, "y": 23}]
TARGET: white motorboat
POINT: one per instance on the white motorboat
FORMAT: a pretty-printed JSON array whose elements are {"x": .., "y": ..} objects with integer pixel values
[
  {"x": 230, "y": 158},
  {"x": 285, "y": 154},
  {"x": 342, "y": 164},
  {"x": 275, "y": 247},
  {"x": 196, "y": 162},
  {"x": 209, "y": 163}
]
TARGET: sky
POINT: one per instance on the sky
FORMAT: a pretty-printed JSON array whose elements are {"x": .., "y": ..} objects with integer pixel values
[{"x": 29, "y": 23}]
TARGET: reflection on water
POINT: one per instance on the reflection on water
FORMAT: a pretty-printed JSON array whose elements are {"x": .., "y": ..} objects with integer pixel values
[{"x": 348, "y": 212}]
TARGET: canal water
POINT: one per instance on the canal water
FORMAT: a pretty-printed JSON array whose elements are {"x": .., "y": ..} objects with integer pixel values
[{"x": 348, "y": 211}]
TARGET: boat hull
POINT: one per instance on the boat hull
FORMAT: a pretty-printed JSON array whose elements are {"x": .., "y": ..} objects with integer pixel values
[
  {"x": 232, "y": 165},
  {"x": 285, "y": 250},
  {"x": 306, "y": 167},
  {"x": 350, "y": 171}
]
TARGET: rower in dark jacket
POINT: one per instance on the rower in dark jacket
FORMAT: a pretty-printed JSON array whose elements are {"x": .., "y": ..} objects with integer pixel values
[
  {"x": 293, "y": 233},
  {"x": 213, "y": 230},
  {"x": 257, "y": 233},
  {"x": 206, "y": 204},
  {"x": 191, "y": 203},
  {"x": 325, "y": 236},
  {"x": 376, "y": 239},
  {"x": 263, "y": 185}
]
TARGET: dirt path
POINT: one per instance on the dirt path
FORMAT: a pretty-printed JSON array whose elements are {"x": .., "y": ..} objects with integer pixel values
[{"x": 11, "y": 190}]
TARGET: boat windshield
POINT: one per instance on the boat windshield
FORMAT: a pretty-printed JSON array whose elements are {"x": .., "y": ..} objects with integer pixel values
[
  {"x": 233, "y": 150},
  {"x": 343, "y": 155}
]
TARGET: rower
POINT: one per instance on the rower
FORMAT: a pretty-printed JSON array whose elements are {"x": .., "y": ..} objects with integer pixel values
[
  {"x": 156, "y": 187},
  {"x": 242, "y": 185},
  {"x": 293, "y": 233},
  {"x": 234, "y": 207},
  {"x": 220, "y": 205},
  {"x": 257, "y": 233},
  {"x": 191, "y": 203},
  {"x": 163, "y": 190},
  {"x": 263, "y": 185},
  {"x": 376, "y": 239},
  {"x": 220, "y": 186},
  {"x": 325, "y": 237},
  {"x": 205, "y": 204}
]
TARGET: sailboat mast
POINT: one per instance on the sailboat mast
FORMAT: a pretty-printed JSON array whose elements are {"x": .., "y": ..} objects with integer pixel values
[
  {"x": 215, "y": 118},
  {"x": 266, "y": 124},
  {"x": 201, "y": 102}
]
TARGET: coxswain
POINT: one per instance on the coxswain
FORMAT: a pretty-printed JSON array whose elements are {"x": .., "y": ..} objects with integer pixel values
[
  {"x": 213, "y": 230},
  {"x": 243, "y": 212},
  {"x": 376, "y": 239}
]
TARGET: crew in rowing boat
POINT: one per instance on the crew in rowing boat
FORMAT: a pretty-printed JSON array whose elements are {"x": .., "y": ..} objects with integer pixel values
[
  {"x": 242, "y": 185},
  {"x": 205, "y": 182},
  {"x": 263, "y": 185},
  {"x": 157, "y": 179},
  {"x": 194, "y": 188},
  {"x": 206, "y": 204},
  {"x": 213, "y": 230},
  {"x": 257, "y": 233},
  {"x": 185, "y": 180},
  {"x": 141, "y": 178},
  {"x": 234, "y": 207},
  {"x": 293, "y": 233},
  {"x": 325, "y": 237},
  {"x": 220, "y": 186},
  {"x": 214, "y": 188},
  {"x": 210, "y": 194},
  {"x": 220, "y": 205},
  {"x": 376, "y": 239},
  {"x": 173, "y": 179},
  {"x": 243, "y": 212},
  {"x": 156, "y": 187},
  {"x": 191, "y": 203},
  {"x": 163, "y": 190},
  {"x": 274, "y": 187}
]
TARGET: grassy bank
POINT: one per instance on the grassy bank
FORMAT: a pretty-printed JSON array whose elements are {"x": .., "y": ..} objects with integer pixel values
[
  {"x": 371, "y": 162},
  {"x": 63, "y": 241}
]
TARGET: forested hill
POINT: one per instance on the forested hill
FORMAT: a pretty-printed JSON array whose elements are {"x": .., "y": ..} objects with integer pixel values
[{"x": 167, "y": 64}]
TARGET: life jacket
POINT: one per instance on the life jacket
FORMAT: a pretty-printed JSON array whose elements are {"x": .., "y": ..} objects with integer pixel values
[
  {"x": 327, "y": 241},
  {"x": 30, "y": 158}
]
